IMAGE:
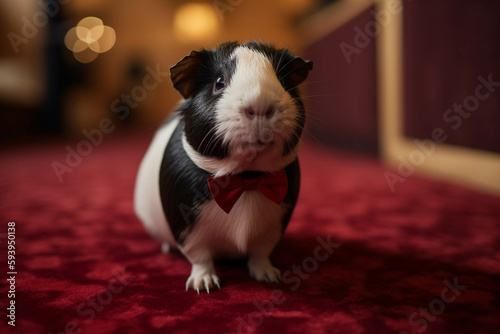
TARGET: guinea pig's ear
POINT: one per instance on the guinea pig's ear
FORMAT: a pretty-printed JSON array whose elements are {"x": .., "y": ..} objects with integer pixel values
[
  {"x": 184, "y": 73},
  {"x": 296, "y": 71}
]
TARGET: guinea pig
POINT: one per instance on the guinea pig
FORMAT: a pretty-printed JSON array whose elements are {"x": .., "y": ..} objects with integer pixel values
[{"x": 221, "y": 176}]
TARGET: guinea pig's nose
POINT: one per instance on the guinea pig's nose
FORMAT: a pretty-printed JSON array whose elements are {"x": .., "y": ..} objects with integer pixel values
[
  {"x": 269, "y": 112},
  {"x": 250, "y": 112}
]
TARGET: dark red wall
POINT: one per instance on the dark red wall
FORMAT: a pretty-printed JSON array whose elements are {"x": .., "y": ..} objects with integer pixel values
[
  {"x": 447, "y": 45},
  {"x": 341, "y": 96}
]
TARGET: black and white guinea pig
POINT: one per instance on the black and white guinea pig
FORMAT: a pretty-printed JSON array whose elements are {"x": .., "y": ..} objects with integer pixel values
[{"x": 221, "y": 176}]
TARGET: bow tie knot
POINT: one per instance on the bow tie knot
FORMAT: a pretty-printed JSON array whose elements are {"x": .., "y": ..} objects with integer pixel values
[
  {"x": 251, "y": 184},
  {"x": 227, "y": 190}
]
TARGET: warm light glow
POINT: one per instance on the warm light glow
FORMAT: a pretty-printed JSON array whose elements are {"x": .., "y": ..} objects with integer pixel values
[
  {"x": 79, "y": 46},
  {"x": 107, "y": 40},
  {"x": 86, "y": 56},
  {"x": 70, "y": 38},
  {"x": 89, "y": 38},
  {"x": 299, "y": 6},
  {"x": 89, "y": 29},
  {"x": 195, "y": 22}
]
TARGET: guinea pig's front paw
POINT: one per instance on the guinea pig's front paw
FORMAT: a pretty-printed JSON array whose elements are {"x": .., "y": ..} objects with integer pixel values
[
  {"x": 262, "y": 270},
  {"x": 203, "y": 278}
]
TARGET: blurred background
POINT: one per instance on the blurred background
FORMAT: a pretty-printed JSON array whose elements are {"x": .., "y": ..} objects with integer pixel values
[
  {"x": 386, "y": 72},
  {"x": 46, "y": 87}
]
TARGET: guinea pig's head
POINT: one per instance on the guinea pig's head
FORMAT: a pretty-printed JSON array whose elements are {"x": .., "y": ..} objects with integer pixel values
[{"x": 242, "y": 108}]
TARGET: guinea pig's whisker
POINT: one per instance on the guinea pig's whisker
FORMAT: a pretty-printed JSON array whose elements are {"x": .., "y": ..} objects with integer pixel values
[
  {"x": 201, "y": 143},
  {"x": 279, "y": 61},
  {"x": 311, "y": 135},
  {"x": 204, "y": 138},
  {"x": 314, "y": 120},
  {"x": 284, "y": 66},
  {"x": 294, "y": 133},
  {"x": 322, "y": 95},
  {"x": 210, "y": 145},
  {"x": 307, "y": 83}
]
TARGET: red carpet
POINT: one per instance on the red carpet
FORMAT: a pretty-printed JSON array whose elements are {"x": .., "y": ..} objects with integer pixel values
[{"x": 85, "y": 265}]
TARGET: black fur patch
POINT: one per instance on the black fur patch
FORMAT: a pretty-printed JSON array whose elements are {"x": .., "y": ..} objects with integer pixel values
[
  {"x": 199, "y": 111},
  {"x": 183, "y": 186}
]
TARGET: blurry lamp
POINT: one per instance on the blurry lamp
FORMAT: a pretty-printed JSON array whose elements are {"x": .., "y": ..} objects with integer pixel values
[
  {"x": 89, "y": 38},
  {"x": 195, "y": 22}
]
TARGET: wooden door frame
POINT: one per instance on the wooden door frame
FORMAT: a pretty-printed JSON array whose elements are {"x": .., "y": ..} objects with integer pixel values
[{"x": 465, "y": 166}]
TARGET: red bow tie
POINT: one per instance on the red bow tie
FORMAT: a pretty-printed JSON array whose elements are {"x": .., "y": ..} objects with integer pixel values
[{"x": 226, "y": 190}]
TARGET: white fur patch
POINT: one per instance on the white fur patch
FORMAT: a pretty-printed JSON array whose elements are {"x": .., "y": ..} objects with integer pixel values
[
  {"x": 147, "y": 200},
  {"x": 253, "y": 225},
  {"x": 257, "y": 143}
]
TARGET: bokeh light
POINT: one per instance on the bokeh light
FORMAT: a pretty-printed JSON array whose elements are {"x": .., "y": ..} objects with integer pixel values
[
  {"x": 89, "y": 38},
  {"x": 195, "y": 22}
]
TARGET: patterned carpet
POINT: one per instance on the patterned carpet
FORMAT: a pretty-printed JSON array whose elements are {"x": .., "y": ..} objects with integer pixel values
[{"x": 356, "y": 257}]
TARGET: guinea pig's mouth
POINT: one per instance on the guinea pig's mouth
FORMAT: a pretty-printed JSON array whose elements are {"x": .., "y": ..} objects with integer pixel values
[{"x": 257, "y": 145}]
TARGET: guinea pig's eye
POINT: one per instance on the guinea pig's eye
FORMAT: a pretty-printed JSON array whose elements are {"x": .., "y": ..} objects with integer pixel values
[{"x": 220, "y": 83}]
